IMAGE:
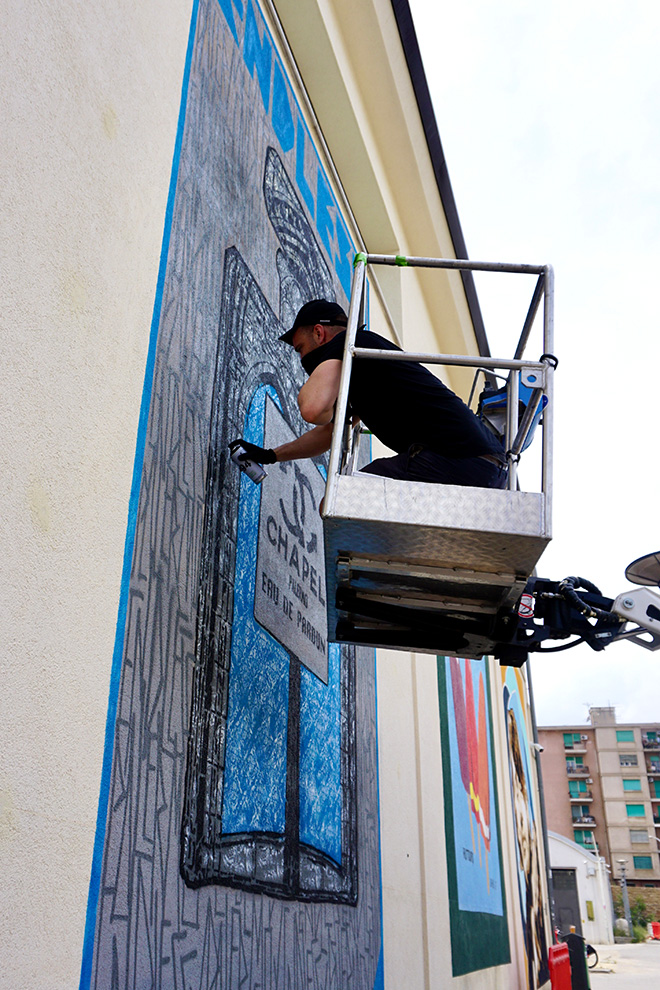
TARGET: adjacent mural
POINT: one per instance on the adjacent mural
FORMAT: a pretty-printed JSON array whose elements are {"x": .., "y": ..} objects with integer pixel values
[
  {"x": 240, "y": 843},
  {"x": 527, "y": 830},
  {"x": 474, "y": 855}
]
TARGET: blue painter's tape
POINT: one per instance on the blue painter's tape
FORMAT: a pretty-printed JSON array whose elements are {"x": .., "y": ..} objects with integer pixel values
[{"x": 115, "y": 674}]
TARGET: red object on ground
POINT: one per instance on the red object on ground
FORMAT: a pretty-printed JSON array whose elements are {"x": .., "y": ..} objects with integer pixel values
[
  {"x": 655, "y": 925},
  {"x": 560, "y": 967}
]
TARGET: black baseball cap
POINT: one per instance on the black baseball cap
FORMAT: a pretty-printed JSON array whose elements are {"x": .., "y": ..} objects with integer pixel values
[{"x": 316, "y": 311}]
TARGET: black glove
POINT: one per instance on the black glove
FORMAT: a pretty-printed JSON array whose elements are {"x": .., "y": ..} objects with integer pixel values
[{"x": 253, "y": 453}]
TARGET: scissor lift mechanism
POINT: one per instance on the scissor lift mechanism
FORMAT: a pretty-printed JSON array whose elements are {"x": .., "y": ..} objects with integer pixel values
[{"x": 436, "y": 568}]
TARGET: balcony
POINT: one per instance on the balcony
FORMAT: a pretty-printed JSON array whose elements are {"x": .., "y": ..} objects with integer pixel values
[
  {"x": 653, "y": 769},
  {"x": 587, "y": 843},
  {"x": 578, "y": 748},
  {"x": 584, "y": 820},
  {"x": 650, "y": 743},
  {"x": 584, "y": 796},
  {"x": 579, "y": 770}
]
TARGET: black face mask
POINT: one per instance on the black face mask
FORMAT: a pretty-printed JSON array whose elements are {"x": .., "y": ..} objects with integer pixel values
[{"x": 315, "y": 357}]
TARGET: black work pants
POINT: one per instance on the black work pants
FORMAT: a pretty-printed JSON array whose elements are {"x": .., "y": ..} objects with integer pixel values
[{"x": 420, "y": 463}]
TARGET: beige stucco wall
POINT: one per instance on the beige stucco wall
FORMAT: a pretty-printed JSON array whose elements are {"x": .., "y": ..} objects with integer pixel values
[
  {"x": 90, "y": 103},
  {"x": 610, "y": 764},
  {"x": 617, "y": 815},
  {"x": 613, "y": 787}
]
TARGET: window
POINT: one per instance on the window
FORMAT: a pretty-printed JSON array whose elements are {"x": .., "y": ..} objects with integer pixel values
[
  {"x": 625, "y": 735},
  {"x": 628, "y": 759},
  {"x": 635, "y": 810},
  {"x": 632, "y": 784},
  {"x": 642, "y": 862},
  {"x": 574, "y": 761},
  {"x": 577, "y": 787},
  {"x": 571, "y": 739},
  {"x": 584, "y": 836},
  {"x": 579, "y": 810},
  {"x": 655, "y": 788},
  {"x": 639, "y": 836}
]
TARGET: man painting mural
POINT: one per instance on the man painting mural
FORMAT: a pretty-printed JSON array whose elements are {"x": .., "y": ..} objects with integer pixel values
[{"x": 436, "y": 437}]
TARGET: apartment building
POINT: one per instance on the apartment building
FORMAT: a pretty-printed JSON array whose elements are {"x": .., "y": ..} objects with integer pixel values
[{"x": 602, "y": 790}]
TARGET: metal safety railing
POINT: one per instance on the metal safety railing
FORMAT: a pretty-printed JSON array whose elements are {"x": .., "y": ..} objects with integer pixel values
[{"x": 535, "y": 375}]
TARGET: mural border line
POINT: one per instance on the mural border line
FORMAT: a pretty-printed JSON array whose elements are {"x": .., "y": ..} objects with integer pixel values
[{"x": 131, "y": 524}]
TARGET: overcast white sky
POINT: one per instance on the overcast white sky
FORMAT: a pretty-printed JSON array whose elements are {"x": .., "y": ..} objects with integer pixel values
[{"x": 549, "y": 116}]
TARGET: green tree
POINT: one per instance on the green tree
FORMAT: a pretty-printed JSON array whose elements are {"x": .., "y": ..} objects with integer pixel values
[{"x": 639, "y": 912}]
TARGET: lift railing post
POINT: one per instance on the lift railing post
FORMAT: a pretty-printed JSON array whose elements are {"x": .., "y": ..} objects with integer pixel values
[
  {"x": 548, "y": 350},
  {"x": 531, "y": 314},
  {"x": 516, "y": 433},
  {"x": 512, "y": 395},
  {"x": 354, "y": 309}
]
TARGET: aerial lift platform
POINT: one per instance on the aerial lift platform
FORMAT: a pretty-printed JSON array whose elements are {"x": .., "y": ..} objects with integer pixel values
[{"x": 438, "y": 568}]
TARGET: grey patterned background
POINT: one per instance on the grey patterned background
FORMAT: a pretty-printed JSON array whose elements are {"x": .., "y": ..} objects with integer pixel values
[{"x": 243, "y": 256}]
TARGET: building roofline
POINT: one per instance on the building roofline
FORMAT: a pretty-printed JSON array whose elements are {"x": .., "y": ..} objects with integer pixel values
[
  {"x": 582, "y": 728},
  {"x": 589, "y": 726},
  {"x": 408, "y": 35},
  {"x": 587, "y": 853}
]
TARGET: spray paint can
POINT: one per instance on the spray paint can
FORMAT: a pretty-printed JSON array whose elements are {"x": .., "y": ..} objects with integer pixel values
[{"x": 253, "y": 469}]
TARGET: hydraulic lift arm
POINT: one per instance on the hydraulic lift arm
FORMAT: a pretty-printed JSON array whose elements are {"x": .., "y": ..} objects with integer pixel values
[{"x": 575, "y": 610}]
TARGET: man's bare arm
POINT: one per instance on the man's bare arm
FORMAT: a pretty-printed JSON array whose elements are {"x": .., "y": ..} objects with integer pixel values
[
  {"x": 310, "y": 444},
  {"x": 317, "y": 397}
]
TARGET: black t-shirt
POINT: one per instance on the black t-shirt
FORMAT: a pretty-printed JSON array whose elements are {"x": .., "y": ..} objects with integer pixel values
[{"x": 403, "y": 403}]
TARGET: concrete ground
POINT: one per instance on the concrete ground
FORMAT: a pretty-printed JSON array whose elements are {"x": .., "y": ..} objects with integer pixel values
[{"x": 627, "y": 967}]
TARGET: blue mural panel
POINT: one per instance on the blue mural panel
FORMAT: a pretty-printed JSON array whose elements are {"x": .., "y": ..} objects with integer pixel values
[
  {"x": 254, "y": 797},
  {"x": 476, "y": 838},
  {"x": 320, "y": 759},
  {"x": 477, "y": 901}
]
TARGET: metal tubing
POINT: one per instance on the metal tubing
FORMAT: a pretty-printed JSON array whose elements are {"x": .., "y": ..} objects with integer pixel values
[
  {"x": 548, "y": 412},
  {"x": 458, "y": 360},
  {"x": 459, "y": 264},
  {"x": 531, "y": 315},
  {"x": 512, "y": 396},
  {"x": 526, "y": 421},
  {"x": 515, "y": 433},
  {"x": 355, "y": 308}
]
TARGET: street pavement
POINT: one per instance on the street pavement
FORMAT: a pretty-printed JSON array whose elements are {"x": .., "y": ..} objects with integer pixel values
[{"x": 634, "y": 966}]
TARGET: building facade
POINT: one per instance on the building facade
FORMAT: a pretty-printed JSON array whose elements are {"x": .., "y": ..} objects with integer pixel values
[
  {"x": 581, "y": 890},
  {"x": 197, "y": 789},
  {"x": 602, "y": 789}
]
